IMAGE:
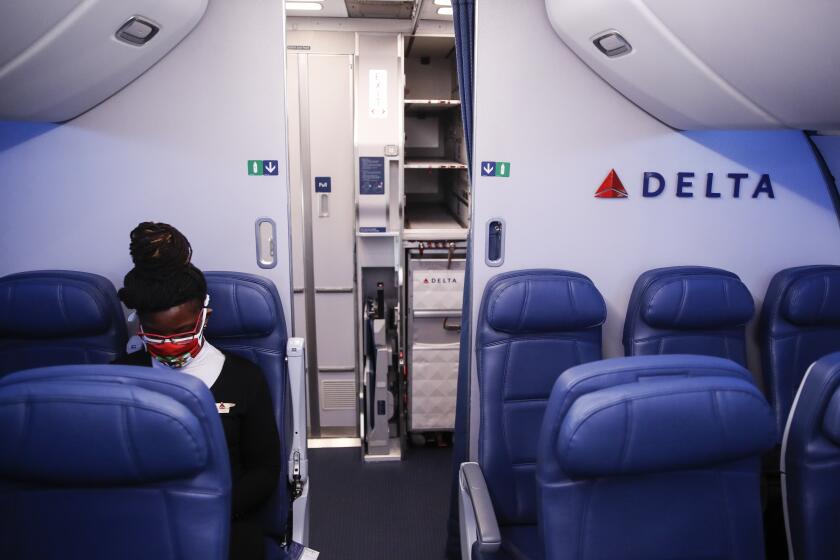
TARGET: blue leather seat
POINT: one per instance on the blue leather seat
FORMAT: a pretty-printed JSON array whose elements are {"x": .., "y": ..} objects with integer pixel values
[
  {"x": 533, "y": 325},
  {"x": 811, "y": 464},
  {"x": 653, "y": 458},
  {"x": 104, "y": 462},
  {"x": 800, "y": 323},
  {"x": 248, "y": 321},
  {"x": 688, "y": 310},
  {"x": 56, "y": 317}
]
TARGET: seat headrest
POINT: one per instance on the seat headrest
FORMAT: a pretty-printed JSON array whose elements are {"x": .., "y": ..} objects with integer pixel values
[
  {"x": 697, "y": 302},
  {"x": 52, "y": 306},
  {"x": 813, "y": 300},
  {"x": 243, "y": 306},
  {"x": 664, "y": 424},
  {"x": 545, "y": 302},
  {"x": 96, "y": 433},
  {"x": 831, "y": 420}
]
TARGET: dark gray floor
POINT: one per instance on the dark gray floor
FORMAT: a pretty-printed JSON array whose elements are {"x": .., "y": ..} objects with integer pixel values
[{"x": 379, "y": 511}]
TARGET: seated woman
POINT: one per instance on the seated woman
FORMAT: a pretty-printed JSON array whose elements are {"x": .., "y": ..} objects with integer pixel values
[{"x": 170, "y": 296}]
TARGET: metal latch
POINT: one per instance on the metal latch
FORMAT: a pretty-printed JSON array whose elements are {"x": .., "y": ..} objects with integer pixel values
[{"x": 297, "y": 484}]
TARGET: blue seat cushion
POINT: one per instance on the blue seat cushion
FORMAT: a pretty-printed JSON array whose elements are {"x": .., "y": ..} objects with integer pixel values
[
  {"x": 653, "y": 458},
  {"x": 800, "y": 323},
  {"x": 64, "y": 433},
  {"x": 688, "y": 310},
  {"x": 532, "y": 326},
  {"x": 56, "y": 317},
  {"x": 643, "y": 427},
  {"x": 111, "y": 462},
  {"x": 811, "y": 463}
]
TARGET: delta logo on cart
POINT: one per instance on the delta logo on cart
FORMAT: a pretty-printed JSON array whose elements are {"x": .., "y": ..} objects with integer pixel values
[
  {"x": 688, "y": 184},
  {"x": 444, "y": 280}
]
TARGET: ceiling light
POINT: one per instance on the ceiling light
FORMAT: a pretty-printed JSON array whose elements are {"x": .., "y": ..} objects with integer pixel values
[
  {"x": 445, "y": 11},
  {"x": 443, "y": 3},
  {"x": 304, "y": 6}
]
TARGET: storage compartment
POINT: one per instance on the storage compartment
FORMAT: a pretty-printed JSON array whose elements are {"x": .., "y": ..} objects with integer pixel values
[
  {"x": 435, "y": 291},
  {"x": 436, "y": 181}
]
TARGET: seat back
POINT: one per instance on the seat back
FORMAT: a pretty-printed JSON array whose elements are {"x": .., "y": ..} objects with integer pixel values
[
  {"x": 532, "y": 326},
  {"x": 248, "y": 321},
  {"x": 688, "y": 310},
  {"x": 800, "y": 323},
  {"x": 811, "y": 463},
  {"x": 108, "y": 462},
  {"x": 56, "y": 317},
  {"x": 653, "y": 458}
]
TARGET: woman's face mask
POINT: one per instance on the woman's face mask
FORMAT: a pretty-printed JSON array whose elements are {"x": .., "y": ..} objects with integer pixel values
[{"x": 179, "y": 349}]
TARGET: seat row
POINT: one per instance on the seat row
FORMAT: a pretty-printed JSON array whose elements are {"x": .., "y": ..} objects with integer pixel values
[
  {"x": 125, "y": 438},
  {"x": 581, "y": 456}
]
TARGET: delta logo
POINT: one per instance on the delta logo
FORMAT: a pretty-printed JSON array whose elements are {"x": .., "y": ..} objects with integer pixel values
[
  {"x": 690, "y": 185},
  {"x": 440, "y": 280}
]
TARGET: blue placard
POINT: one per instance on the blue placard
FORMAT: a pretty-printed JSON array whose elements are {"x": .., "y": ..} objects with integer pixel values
[
  {"x": 270, "y": 167},
  {"x": 372, "y": 229},
  {"x": 323, "y": 184},
  {"x": 371, "y": 175},
  {"x": 488, "y": 168}
]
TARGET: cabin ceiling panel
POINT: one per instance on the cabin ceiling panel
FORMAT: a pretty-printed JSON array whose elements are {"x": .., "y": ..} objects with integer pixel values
[{"x": 329, "y": 9}]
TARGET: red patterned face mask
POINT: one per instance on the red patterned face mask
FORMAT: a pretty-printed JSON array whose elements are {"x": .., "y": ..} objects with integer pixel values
[{"x": 177, "y": 350}]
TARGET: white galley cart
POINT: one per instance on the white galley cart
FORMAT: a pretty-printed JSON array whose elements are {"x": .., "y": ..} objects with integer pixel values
[{"x": 435, "y": 291}]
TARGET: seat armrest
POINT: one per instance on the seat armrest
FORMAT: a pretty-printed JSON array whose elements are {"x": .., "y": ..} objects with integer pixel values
[
  {"x": 478, "y": 519},
  {"x": 298, "y": 459},
  {"x": 296, "y": 367}
]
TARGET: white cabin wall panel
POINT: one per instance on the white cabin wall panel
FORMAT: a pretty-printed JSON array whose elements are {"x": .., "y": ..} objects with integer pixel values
[
  {"x": 331, "y": 155},
  {"x": 295, "y": 191},
  {"x": 335, "y": 317},
  {"x": 320, "y": 42},
  {"x": 378, "y": 123},
  {"x": 563, "y": 129},
  {"x": 172, "y": 147}
]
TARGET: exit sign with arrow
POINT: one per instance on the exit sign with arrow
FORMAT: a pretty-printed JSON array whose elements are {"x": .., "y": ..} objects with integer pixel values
[
  {"x": 495, "y": 169},
  {"x": 263, "y": 167}
]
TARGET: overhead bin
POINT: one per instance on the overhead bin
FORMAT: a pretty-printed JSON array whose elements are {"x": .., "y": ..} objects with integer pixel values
[
  {"x": 713, "y": 64},
  {"x": 61, "y": 59}
]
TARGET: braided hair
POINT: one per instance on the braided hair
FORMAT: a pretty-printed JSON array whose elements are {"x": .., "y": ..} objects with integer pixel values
[{"x": 163, "y": 275}]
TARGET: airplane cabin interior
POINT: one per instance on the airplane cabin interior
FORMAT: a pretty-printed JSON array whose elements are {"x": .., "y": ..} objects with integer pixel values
[{"x": 419, "y": 280}]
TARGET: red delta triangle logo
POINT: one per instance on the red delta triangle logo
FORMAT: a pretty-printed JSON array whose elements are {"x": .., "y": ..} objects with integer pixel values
[{"x": 611, "y": 187}]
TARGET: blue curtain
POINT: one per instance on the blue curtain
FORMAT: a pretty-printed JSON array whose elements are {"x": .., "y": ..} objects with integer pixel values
[{"x": 464, "y": 16}]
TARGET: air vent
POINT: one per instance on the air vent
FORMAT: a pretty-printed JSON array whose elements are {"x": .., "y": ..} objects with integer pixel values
[
  {"x": 338, "y": 394},
  {"x": 385, "y": 9}
]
